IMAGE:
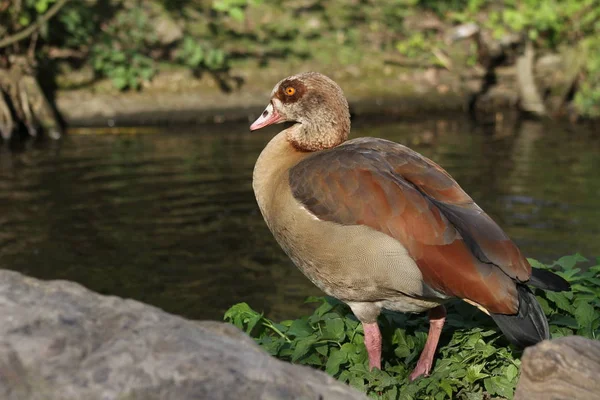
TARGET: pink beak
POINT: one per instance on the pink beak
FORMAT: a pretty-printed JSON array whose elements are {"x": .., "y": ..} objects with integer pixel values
[{"x": 268, "y": 117}]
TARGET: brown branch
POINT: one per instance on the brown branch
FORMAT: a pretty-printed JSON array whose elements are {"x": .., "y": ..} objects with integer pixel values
[
  {"x": 23, "y": 34},
  {"x": 55, "y": 52}
]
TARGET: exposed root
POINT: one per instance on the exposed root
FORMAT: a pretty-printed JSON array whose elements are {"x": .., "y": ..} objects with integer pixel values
[
  {"x": 531, "y": 100},
  {"x": 42, "y": 114},
  {"x": 23, "y": 103},
  {"x": 7, "y": 123}
]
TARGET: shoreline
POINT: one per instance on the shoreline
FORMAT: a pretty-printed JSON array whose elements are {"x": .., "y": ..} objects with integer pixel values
[{"x": 176, "y": 97}]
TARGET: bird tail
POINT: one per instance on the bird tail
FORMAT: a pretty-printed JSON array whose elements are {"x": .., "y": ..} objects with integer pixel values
[
  {"x": 547, "y": 280},
  {"x": 529, "y": 326}
]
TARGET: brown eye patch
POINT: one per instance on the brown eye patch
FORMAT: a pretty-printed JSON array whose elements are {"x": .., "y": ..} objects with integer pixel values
[{"x": 290, "y": 91}]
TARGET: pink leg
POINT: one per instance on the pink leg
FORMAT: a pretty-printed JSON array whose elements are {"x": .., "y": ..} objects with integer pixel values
[
  {"x": 437, "y": 316},
  {"x": 373, "y": 344}
]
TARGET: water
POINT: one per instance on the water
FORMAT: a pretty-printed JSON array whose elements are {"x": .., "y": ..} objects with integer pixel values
[{"x": 168, "y": 217}]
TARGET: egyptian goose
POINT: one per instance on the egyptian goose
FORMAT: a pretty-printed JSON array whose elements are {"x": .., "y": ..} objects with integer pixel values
[{"x": 377, "y": 225}]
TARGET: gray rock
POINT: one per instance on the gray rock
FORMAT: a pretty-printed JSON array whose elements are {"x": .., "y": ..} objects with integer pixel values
[{"x": 62, "y": 341}]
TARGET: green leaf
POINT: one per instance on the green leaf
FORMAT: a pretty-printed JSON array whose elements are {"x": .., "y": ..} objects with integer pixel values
[
  {"x": 324, "y": 308},
  {"x": 585, "y": 314},
  {"x": 272, "y": 345},
  {"x": 322, "y": 349},
  {"x": 447, "y": 387},
  {"x": 561, "y": 301},
  {"x": 560, "y": 332},
  {"x": 336, "y": 358},
  {"x": 391, "y": 394},
  {"x": 402, "y": 349},
  {"x": 568, "y": 262},
  {"x": 511, "y": 372},
  {"x": 120, "y": 82},
  {"x": 499, "y": 385},
  {"x": 580, "y": 288},
  {"x": 237, "y": 14},
  {"x": 302, "y": 347},
  {"x": 474, "y": 373},
  {"x": 118, "y": 57},
  {"x": 569, "y": 275},
  {"x": 252, "y": 321},
  {"x": 41, "y": 6},
  {"x": 24, "y": 20},
  {"x": 334, "y": 329},
  {"x": 472, "y": 360},
  {"x": 300, "y": 328},
  {"x": 358, "y": 383},
  {"x": 238, "y": 309},
  {"x": 313, "y": 359},
  {"x": 564, "y": 320},
  {"x": 196, "y": 57},
  {"x": 474, "y": 395},
  {"x": 595, "y": 269},
  {"x": 536, "y": 264}
]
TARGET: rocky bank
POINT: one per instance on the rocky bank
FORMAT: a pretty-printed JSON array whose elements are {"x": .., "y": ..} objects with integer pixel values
[{"x": 59, "y": 340}]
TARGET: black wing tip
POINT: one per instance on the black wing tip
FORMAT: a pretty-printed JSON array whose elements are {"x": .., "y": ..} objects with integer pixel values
[
  {"x": 529, "y": 326},
  {"x": 548, "y": 280}
]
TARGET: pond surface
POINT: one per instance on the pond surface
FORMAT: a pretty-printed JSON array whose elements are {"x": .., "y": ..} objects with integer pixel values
[{"x": 168, "y": 216}]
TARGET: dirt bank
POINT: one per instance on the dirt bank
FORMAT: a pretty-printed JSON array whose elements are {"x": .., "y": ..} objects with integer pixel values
[{"x": 177, "y": 97}]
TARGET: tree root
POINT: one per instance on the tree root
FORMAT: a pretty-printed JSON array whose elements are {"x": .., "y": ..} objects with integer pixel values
[
  {"x": 23, "y": 103},
  {"x": 7, "y": 123},
  {"x": 531, "y": 101}
]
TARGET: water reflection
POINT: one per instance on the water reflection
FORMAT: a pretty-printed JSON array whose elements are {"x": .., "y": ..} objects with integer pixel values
[{"x": 169, "y": 217}]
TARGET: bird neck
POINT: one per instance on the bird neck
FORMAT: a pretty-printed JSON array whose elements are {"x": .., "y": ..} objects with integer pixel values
[{"x": 318, "y": 135}]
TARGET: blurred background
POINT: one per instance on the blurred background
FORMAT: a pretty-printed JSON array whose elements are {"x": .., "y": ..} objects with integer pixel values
[{"x": 126, "y": 161}]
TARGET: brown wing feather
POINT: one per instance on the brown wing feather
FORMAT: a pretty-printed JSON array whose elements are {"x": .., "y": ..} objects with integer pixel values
[
  {"x": 486, "y": 239},
  {"x": 388, "y": 187}
]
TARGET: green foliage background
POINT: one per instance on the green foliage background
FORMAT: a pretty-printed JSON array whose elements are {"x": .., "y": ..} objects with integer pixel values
[
  {"x": 120, "y": 39},
  {"x": 473, "y": 360}
]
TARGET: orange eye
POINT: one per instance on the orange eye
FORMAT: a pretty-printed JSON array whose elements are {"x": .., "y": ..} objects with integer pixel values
[{"x": 290, "y": 91}]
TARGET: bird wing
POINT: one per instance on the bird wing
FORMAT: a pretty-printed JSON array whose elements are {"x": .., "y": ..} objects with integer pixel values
[{"x": 458, "y": 248}]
